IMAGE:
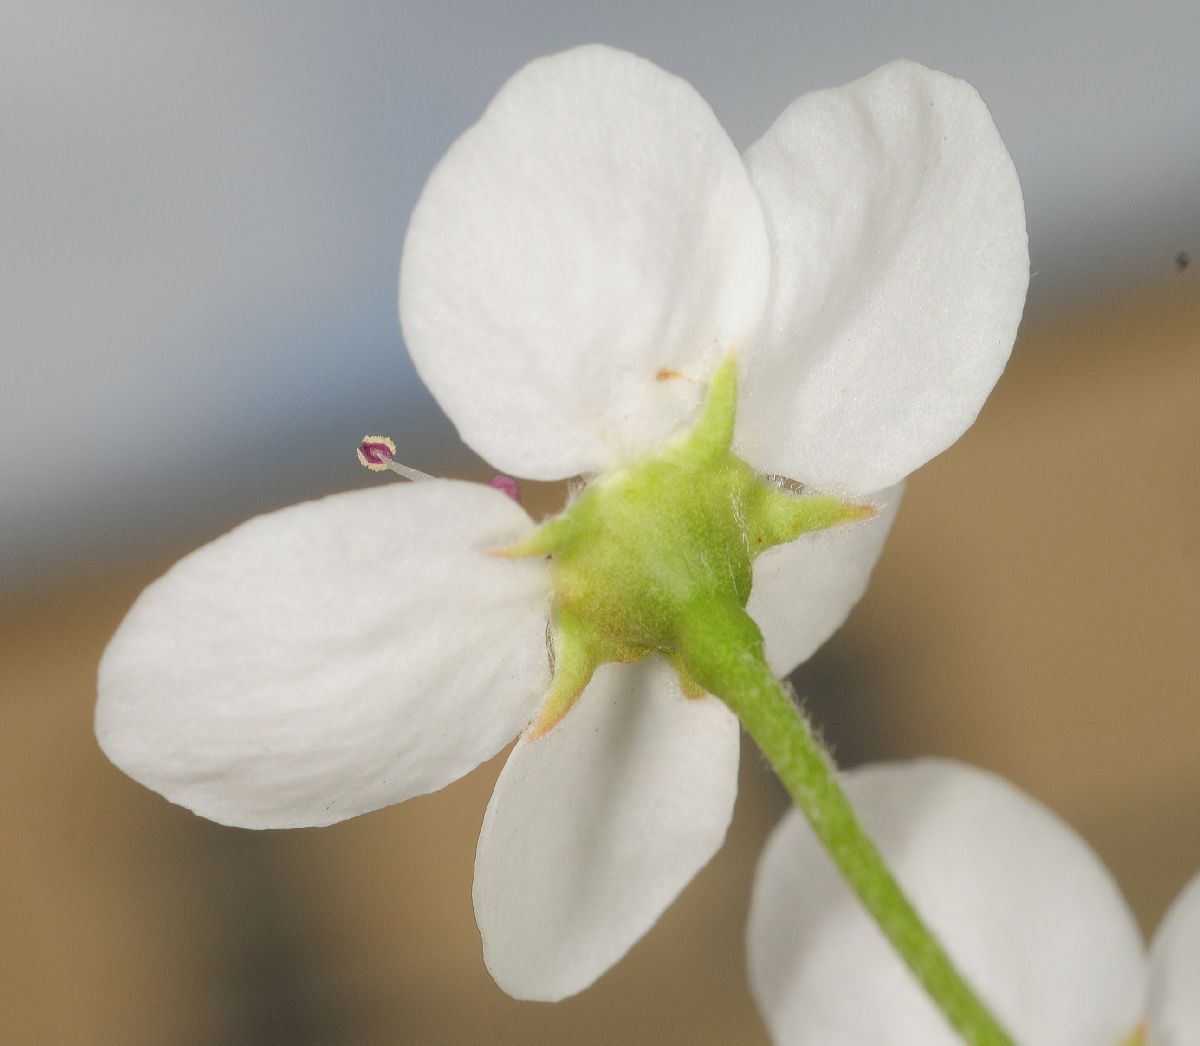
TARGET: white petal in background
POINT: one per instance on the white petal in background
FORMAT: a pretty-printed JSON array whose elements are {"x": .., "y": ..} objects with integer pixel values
[
  {"x": 595, "y": 228},
  {"x": 1023, "y": 905},
  {"x": 331, "y": 658},
  {"x": 899, "y": 270},
  {"x": 595, "y": 828},
  {"x": 1173, "y": 1004},
  {"x": 804, "y": 590}
]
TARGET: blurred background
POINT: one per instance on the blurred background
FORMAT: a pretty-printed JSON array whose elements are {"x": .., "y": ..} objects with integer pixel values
[{"x": 203, "y": 207}]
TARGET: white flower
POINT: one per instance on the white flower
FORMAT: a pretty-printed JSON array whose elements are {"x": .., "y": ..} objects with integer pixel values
[
  {"x": 1025, "y": 908},
  {"x": 578, "y": 264}
]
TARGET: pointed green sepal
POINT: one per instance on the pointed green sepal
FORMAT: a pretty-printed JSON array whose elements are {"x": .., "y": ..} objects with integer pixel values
[
  {"x": 711, "y": 437},
  {"x": 775, "y": 516},
  {"x": 579, "y": 649},
  {"x": 552, "y": 537},
  {"x": 575, "y": 660}
]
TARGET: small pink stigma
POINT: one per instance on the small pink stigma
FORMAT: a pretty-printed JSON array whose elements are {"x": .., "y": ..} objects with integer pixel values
[{"x": 507, "y": 485}]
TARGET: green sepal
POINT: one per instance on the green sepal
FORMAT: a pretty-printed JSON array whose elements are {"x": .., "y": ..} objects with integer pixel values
[
  {"x": 711, "y": 437},
  {"x": 775, "y": 516},
  {"x": 577, "y": 652}
]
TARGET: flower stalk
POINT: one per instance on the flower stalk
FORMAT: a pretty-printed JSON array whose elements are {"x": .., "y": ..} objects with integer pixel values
[{"x": 723, "y": 651}]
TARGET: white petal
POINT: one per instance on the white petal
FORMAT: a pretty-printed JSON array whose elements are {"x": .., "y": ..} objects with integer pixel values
[
  {"x": 331, "y": 658},
  {"x": 804, "y": 590},
  {"x": 595, "y": 228},
  {"x": 1023, "y": 905},
  {"x": 899, "y": 269},
  {"x": 1173, "y": 1007},
  {"x": 596, "y": 827}
]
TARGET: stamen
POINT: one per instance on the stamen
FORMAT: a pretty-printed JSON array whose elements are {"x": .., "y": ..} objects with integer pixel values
[
  {"x": 507, "y": 485},
  {"x": 378, "y": 453}
]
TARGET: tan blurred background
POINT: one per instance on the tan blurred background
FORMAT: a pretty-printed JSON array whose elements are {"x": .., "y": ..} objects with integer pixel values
[{"x": 1035, "y": 611}]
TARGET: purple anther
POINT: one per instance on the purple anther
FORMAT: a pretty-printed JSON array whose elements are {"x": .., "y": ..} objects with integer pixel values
[
  {"x": 507, "y": 485},
  {"x": 377, "y": 453}
]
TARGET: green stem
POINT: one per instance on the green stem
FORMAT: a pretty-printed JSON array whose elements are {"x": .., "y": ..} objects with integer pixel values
[{"x": 723, "y": 652}]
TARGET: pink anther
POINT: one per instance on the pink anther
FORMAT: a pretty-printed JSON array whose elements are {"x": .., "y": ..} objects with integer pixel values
[
  {"x": 507, "y": 485},
  {"x": 376, "y": 453}
]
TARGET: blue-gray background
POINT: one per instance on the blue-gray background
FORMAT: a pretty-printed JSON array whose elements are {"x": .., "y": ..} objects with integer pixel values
[{"x": 204, "y": 205}]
